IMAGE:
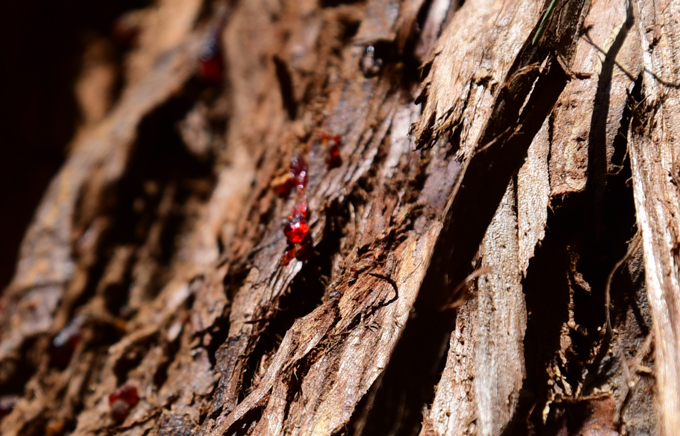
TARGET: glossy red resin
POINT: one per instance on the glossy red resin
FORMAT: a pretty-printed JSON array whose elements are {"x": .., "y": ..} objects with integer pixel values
[
  {"x": 289, "y": 255},
  {"x": 298, "y": 165},
  {"x": 298, "y": 170},
  {"x": 120, "y": 410},
  {"x": 121, "y": 401},
  {"x": 300, "y": 208},
  {"x": 212, "y": 69},
  {"x": 297, "y": 228},
  {"x": 126, "y": 393}
]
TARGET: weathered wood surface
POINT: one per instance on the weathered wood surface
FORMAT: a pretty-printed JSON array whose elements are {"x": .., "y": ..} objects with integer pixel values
[
  {"x": 654, "y": 144},
  {"x": 464, "y": 252}
]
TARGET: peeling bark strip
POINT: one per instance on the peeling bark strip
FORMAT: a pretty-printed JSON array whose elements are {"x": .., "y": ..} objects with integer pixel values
[
  {"x": 654, "y": 148},
  {"x": 156, "y": 264},
  {"x": 532, "y": 86}
]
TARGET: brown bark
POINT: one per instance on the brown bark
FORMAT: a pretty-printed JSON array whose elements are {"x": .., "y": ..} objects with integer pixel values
[{"x": 490, "y": 256}]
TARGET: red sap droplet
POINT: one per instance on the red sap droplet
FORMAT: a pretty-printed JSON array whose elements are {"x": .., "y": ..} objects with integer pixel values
[
  {"x": 333, "y": 160},
  {"x": 298, "y": 168},
  {"x": 301, "y": 181},
  {"x": 120, "y": 410},
  {"x": 298, "y": 165},
  {"x": 211, "y": 64},
  {"x": 332, "y": 144},
  {"x": 300, "y": 208},
  {"x": 297, "y": 228},
  {"x": 289, "y": 255},
  {"x": 122, "y": 400},
  {"x": 212, "y": 70},
  {"x": 127, "y": 393}
]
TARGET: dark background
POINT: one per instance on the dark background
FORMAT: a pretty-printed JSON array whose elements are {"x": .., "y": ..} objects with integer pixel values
[{"x": 41, "y": 44}]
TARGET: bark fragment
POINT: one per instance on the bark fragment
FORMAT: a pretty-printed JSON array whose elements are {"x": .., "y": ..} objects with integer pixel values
[{"x": 653, "y": 148}]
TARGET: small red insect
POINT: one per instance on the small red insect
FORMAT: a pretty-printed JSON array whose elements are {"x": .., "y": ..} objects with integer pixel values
[
  {"x": 333, "y": 160},
  {"x": 121, "y": 401}
]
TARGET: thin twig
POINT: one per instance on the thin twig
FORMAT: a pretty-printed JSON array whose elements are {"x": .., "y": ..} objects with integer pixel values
[{"x": 473, "y": 275}]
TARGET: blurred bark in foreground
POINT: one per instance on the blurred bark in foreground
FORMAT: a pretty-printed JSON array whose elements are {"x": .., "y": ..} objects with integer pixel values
[{"x": 494, "y": 252}]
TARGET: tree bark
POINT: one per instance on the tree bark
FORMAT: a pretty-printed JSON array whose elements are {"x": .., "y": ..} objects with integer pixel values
[{"x": 494, "y": 252}]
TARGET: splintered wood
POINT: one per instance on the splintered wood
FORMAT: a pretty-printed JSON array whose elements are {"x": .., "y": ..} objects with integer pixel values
[{"x": 654, "y": 141}]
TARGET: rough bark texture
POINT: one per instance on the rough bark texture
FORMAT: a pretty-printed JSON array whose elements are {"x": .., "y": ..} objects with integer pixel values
[
  {"x": 654, "y": 144},
  {"x": 494, "y": 253}
]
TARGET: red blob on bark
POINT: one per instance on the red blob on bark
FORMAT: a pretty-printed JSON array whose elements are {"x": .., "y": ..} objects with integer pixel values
[
  {"x": 333, "y": 160},
  {"x": 121, "y": 401},
  {"x": 211, "y": 64},
  {"x": 127, "y": 393},
  {"x": 301, "y": 181},
  {"x": 297, "y": 228},
  {"x": 298, "y": 168},
  {"x": 289, "y": 255},
  {"x": 298, "y": 165},
  {"x": 120, "y": 410},
  {"x": 66, "y": 342},
  {"x": 212, "y": 70},
  {"x": 332, "y": 144},
  {"x": 300, "y": 208}
]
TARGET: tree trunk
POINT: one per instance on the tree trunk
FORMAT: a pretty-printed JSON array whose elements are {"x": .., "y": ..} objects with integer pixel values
[{"x": 494, "y": 251}]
